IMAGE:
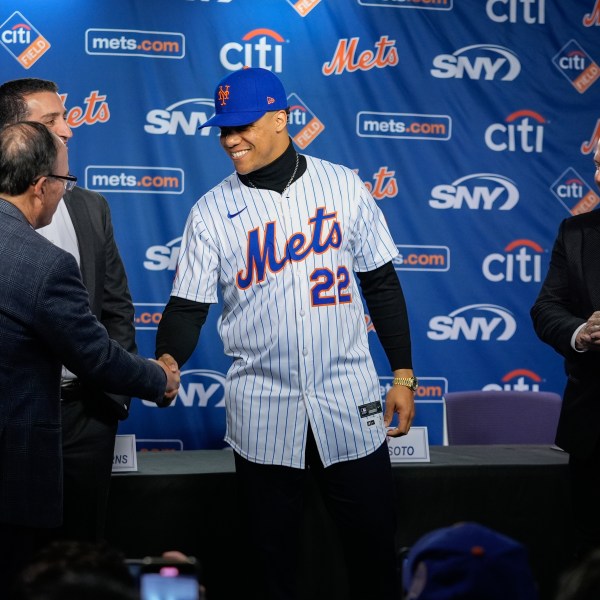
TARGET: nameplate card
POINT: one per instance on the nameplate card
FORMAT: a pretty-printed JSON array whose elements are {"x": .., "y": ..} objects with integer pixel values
[
  {"x": 412, "y": 447},
  {"x": 125, "y": 456}
]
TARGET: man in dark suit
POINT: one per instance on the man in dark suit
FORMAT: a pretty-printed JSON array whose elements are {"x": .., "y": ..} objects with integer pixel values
[
  {"x": 82, "y": 225},
  {"x": 45, "y": 323},
  {"x": 566, "y": 315}
]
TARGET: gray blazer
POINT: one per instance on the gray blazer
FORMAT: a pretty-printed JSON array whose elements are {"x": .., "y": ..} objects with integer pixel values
[{"x": 45, "y": 322}]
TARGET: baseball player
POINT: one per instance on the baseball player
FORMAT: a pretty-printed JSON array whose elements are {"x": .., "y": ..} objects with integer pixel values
[{"x": 282, "y": 237}]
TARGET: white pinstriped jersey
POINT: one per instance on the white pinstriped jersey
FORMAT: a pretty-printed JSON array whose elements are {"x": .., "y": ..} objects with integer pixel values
[{"x": 293, "y": 321}]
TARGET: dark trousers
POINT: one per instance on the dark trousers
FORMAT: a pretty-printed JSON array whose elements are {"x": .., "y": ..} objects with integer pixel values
[
  {"x": 584, "y": 475},
  {"x": 358, "y": 494},
  {"x": 89, "y": 428}
]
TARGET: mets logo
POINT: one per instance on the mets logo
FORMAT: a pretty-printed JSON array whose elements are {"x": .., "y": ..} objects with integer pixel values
[{"x": 223, "y": 94}]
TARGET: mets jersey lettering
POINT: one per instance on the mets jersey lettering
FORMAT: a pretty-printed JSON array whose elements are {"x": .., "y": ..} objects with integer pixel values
[{"x": 261, "y": 256}]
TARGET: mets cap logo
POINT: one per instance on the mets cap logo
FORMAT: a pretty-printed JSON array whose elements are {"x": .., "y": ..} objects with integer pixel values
[
  {"x": 22, "y": 40},
  {"x": 223, "y": 94}
]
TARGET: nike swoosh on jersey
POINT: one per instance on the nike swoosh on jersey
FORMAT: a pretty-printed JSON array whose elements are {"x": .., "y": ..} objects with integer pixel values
[{"x": 232, "y": 215}]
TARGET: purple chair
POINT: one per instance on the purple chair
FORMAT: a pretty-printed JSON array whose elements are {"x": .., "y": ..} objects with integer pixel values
[{"x": 501, "y": 417}]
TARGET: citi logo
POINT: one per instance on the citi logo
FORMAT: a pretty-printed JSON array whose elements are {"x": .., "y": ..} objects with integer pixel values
[
  {"x": 574, "y": 193},
  {"x": 260, "y": 48},
  {"x": 163, "y": 258},
  {"x": 185, "y": 116},
  {"x": 577, "y": 66},
  {"x": 480, "y": 61},
  {"x": 523, "y": 130},
  {"x": 22, "y": 40},
  {"x": 518, "y": 380},
  {"x": 514, "y": 11},
  {"x": 304, "y": 125},
  {"x": 479, "y": 191},
  {"x": 483, "y": 322},
  {"x": 521, "y": 261}
]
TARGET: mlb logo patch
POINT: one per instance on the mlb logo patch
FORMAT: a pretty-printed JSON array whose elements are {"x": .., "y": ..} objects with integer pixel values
[
  {"x": 22, "y": 40},
  {"x": 577, "y": 66}
]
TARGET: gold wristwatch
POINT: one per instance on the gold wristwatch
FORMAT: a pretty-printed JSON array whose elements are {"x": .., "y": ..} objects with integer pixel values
[{"x": 409, "y": 382}]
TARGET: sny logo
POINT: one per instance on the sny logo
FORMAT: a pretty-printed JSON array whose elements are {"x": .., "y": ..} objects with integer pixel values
[
  {"x": 185, "y": 115},
  {"x": 480, "y": 61}
]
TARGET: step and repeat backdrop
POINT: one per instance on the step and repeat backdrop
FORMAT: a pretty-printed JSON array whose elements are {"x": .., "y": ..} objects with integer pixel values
[{"x": 472, "y": 122}]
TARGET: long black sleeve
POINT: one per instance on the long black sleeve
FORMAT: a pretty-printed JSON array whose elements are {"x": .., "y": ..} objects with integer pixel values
[
  {"x": 385, "y": 300},
  {"x": 179, "y": 328}
]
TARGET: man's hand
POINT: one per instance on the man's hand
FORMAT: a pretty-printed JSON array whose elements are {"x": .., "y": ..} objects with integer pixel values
[
  {"x": 399, "y": 400},
  {"x": 588, "y": 337},
  {"x": 171, "y": 368}
]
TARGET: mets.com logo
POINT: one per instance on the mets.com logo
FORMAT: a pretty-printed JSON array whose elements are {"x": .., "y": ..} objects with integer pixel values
[
  {"x": 134, "y": 42},
  {"x": 134, "y": 180},
  {"x": 484, "y": 322},
  {"x": 422, "y": 258},
  {"x": 147, "y": 315},
  {"x": 403, "y": 126},
  {"x": 22, "y": 40},
  {"x": 518, "y": 380},
  {"x": 574, "y": 193},
  {"x": 432, "y": 389},
  {"x": 424, "y": 4}
]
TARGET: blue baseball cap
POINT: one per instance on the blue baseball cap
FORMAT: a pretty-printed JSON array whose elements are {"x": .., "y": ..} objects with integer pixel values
[
  {"x": 470, "y": 562},
  {"x": 244, "y": 96}
]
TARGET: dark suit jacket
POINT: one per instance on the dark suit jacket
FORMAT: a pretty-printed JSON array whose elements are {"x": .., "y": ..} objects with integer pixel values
[
  {"x": 45, "y": 322},
  {"x": 103, "y": 275},
  {"x": 569, "y": 295}
]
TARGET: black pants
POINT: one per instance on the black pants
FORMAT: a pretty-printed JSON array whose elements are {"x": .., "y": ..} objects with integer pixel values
[
  {"x": 359, "y": 495},
  {"x": 585, "y": 497},
  {"x": 89, "y": 428}
]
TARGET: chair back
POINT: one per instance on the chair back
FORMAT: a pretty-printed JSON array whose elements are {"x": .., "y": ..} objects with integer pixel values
[{"x": 501, "y": 417}]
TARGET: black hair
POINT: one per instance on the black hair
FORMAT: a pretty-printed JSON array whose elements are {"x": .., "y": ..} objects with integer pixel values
[{"x": 13, "y": 106}]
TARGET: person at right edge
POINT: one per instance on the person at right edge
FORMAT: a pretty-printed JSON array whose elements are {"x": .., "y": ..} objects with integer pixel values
[
  {"x": 566, "y": 315},
  {"x": 283, "y": 237}
]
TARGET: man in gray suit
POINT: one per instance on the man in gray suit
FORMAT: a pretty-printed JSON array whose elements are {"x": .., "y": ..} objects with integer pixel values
[
  {"x": 82, "y": 226},
  {"x": 45, "y": 323}
]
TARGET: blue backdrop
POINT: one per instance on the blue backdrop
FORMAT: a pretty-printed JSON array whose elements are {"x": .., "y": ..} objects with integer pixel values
[{"x": 473, "y": 122}]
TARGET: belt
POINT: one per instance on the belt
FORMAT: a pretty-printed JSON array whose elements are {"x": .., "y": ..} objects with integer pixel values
[{"x": 70, "y": 390}]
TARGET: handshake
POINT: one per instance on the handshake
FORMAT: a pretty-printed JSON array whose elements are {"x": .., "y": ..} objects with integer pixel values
[{"x": 171, "y": 369}]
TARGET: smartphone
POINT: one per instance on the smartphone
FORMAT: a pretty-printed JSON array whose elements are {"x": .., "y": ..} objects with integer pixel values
[{"x": 164, "y": 579}]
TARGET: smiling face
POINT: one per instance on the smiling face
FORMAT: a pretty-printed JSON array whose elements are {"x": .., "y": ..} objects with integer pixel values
[
  {"x": 47, "y": 108},
  {"x": 258, "y": 144}
]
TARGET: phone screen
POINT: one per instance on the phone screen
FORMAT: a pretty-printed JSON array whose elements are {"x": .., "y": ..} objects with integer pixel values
[{"x": 168, "y": 583}]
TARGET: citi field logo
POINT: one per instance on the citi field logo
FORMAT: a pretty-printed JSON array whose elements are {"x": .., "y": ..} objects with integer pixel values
[
  {"x": 345, "y": 57},
  {"x": 519, "y": 380},
  {"x": 163, "y": 257},
  {"x": 303, "y": 7},
  {"x": 422, "y": 258},
  {"x": 574, "y": 193},
  {"x": 184, "y": 116},
  {"x": 259, "y": 48},
  {"x": 403, "y": 126},
  {"x": 522, "y": 130},
  {"x": 476, "y": 322},
  {"x": 147, "y": 315},
  {"x": 22, "y": 40},
  {"x": 577, "y": 66},
  {"x": 423, "y": 4},
  {"x": 94, "y": 110},
  {"x": 480, "y": 61},
  {"x": 431, "y": 389},
  {"x": 516, "y": 11},
  {"x": 520, "y": 261},
  {"x": 134, "y": 42},
  {"x": 479, "y": 191},
  {"x": 593, "y": 18},
  {"x": 303, "y": 124},
  {"x": 134, "y": 180}
]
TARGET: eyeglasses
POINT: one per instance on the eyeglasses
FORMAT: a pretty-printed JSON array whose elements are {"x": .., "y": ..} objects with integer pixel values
[{"x": 69, "y": 180}]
